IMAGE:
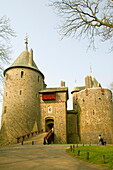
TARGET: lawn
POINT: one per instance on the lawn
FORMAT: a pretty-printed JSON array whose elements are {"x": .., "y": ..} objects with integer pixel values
[{"x": 96, "y": 154}]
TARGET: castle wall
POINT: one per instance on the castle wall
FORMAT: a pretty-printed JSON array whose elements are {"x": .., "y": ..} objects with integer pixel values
[
  {"x": 72, "y": 124},
  {"x": 57, "y": 113},
  {"x": 95, "y": 109},
  {"x": 21, "y": 101}
]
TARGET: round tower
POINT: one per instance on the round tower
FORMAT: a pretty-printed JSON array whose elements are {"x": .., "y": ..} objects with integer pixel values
[
  {"x": 95, "y": 110},
  {"x": 21, "y": 107}
]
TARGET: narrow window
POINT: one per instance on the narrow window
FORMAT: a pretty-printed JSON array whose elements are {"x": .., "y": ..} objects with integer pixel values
[
  {"x": 22, "y": 74},
  {"x": 6, "y": 93},
  {"x": 93, "y": 112},
  {"x": 20, "y": 92},
  {"x": 38, "y": 78},
  {"x": 5, "y": 107}
]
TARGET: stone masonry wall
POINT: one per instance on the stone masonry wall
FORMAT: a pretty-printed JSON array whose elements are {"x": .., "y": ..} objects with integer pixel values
[
  {"x": 95, "y": 109},
  {"x": 21, "y": 101},
  {"x": 58, "y": 114},
  {"x": 72, "y": 128}
]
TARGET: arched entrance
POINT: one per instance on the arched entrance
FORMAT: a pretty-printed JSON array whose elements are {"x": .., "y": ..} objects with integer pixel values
[{"x": 49, "y": 124}]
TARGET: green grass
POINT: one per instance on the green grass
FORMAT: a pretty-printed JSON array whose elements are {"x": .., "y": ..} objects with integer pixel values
[{"x": 95, "y": 154}]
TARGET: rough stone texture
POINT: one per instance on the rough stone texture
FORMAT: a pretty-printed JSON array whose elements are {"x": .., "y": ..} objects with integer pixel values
[
  {"x": 72, "y": 124},
  {"x": 58, "y": 114},
  {"x": 21, "y": 101},
  {"x": 95, "y": 112}
]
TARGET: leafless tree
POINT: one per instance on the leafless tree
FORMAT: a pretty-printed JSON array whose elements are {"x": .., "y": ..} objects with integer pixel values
[
  {"x": 6, "y": 32},
  {"x": 86, "y": 19}
]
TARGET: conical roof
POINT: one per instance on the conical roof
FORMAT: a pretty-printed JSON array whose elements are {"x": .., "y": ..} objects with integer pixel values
[{"x": 23, "y": 61}]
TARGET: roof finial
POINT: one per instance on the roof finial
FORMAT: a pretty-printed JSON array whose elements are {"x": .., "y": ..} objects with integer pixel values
[{"x": 26, "y": 42}]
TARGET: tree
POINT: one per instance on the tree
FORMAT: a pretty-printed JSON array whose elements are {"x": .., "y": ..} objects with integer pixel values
[
  {"x": 6, "y": 32},
  {"x": 86, "y": 19}
]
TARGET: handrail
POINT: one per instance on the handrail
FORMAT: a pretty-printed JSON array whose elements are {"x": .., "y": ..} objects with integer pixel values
[
  {"x": 48, "y": 138},
  {"x": 28, "y": 135}
]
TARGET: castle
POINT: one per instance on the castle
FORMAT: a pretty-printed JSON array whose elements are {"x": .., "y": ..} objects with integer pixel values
[{"x": 28, "y": 105}]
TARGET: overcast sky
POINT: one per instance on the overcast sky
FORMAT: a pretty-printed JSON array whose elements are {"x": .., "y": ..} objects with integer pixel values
[{"x": 67, "y": 59}]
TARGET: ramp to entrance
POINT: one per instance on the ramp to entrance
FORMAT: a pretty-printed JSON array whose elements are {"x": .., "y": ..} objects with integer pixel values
[{"x": 38, "y": 139}]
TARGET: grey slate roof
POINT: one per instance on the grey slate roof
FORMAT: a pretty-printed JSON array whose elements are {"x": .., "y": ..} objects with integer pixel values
[
  {"x": 56, "y": 89},
  {"x": 22, "y": 61}
]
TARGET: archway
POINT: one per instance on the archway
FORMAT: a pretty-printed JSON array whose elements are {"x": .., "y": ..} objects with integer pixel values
[{"x": 49, "y": 124}]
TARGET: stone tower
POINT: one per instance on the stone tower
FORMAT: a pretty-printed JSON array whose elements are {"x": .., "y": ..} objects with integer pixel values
[
  {"x": 21, "y": 107},
  {"x": 94, "y": 107}
]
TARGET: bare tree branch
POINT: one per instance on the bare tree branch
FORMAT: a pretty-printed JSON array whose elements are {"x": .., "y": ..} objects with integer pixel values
[
  {"x": 84, "y": 18},
  {"x": 6, "y": 32}
]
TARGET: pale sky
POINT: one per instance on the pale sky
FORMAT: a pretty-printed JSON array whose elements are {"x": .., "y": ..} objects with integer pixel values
[{"x": 59, "y": 60}]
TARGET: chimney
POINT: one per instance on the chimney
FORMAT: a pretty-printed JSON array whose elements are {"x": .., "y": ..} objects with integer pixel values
[
  {"x": 31, "y": 58},
  {"x": 88, "y": 82},
  {"x": 62, "y": 84}
]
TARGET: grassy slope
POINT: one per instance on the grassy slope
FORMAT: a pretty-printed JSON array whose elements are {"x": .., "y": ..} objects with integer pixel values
[{"x": 95, "y": 154}]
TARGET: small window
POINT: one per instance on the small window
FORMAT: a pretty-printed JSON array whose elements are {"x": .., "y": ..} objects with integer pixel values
[
  {"x": 20, "y": 92},
  {"x": 22, "y": 74},
  {"x": 38, "y": 78},
  {"x": 5, "y": 108},
  {"x": 6, "y": 93},
  {"x": 93, "y": 112}
]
